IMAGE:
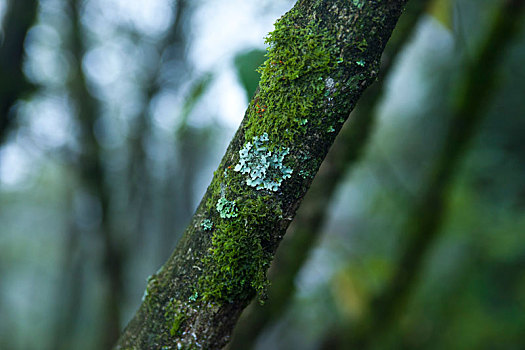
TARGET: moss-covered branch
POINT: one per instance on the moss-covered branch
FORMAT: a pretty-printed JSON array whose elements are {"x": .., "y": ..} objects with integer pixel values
[
  {"x": 306, "y": 228},
  {"x": 321, "y": 57}
]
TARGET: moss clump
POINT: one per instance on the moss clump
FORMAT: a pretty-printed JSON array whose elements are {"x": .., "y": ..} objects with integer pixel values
[
  {"x": 150, "y": 297},
  {"x": 172, "y": 309},
  {"x": 293, "y": 79},
  {"x": 175, "y": 325},
  {"x": 299, "y": 57},
  {"x": 240, "y": 255}
]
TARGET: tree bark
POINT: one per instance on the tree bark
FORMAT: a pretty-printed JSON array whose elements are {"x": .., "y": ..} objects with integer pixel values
[{"x": 322, "y": 55}]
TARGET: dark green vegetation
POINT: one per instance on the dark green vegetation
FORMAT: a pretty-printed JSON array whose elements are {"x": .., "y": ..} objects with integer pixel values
[{"x": 13, "y": 84}]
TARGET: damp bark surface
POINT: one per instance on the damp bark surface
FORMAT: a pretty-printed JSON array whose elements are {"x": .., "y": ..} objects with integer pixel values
[{"x": 321, "y": 56}]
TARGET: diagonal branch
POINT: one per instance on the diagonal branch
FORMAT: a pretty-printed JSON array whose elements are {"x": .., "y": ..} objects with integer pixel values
[
  {"x": 343, "y": 156},
  {"x": 322, "y": 56}
]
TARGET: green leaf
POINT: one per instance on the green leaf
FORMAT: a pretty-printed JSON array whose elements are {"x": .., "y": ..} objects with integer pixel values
[{"x": 246, "y": 64}]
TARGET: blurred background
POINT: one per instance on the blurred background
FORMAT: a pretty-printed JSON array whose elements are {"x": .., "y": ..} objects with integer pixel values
[{"x": 114, "y": 115}]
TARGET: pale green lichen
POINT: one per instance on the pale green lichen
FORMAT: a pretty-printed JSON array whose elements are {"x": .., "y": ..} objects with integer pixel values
[
  {"x": 227, "y": 209},
  {"x": 304, "y": 174},
  {"x": 207, "y": 224},
  {"x": 145, "y": 294},
  {"x": 265, "y": 169},
  {"x": 194, "y": 296},
  {"x": 149, "y": 280}
]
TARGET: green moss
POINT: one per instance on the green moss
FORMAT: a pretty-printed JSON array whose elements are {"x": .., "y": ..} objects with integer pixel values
[
  {"x": 175, "y": 327},
  {"x": 299, "y": 58},
  {"x": 151, "y": 293},
  {"x": 239, "y": 256},
  {"x": 294, "y": 77},
  {"x": 173, "y": 310},
  {"x": 174, "y": 317},
  {"x": 241, "y": 246},
  {"x": 362, "y": 45},
  {"x": 307, "y": 88}
]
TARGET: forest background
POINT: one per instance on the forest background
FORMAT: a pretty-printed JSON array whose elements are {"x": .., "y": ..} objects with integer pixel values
[{"x": 116, "y": 113}]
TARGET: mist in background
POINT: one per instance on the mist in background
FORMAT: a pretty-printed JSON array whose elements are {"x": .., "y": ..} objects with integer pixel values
[{"x": 116, "y": 113}]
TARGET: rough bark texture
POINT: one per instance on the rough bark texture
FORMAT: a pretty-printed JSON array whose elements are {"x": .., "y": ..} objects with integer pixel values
[{"x": 322, "y": 55}]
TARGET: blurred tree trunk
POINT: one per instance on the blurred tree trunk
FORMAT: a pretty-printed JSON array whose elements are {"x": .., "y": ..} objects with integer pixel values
[
  {"x": 322, "y": 56},
  {"x": 307, "y": 225},
  {"x": 18, "y": 19},
  {"x": 191, "y": 146},
  {"x": 170, "y": 50},
  {"x": 475, "y": 87},
  {"x": 93, "y": 176},
  {"x": 70, "y": 285}
]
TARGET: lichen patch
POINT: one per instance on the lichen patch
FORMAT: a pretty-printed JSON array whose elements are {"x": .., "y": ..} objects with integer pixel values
[{"x": 264, "y": 168}]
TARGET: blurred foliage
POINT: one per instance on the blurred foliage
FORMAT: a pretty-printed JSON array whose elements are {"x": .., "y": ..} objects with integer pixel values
[
  {"x": 195, "y": 93},
  {"x": 247, "y": 64},
  {"x": 441, "y": 10},
  {"x": 19, "y": 18},
  {"x": 160, "y": 130}
]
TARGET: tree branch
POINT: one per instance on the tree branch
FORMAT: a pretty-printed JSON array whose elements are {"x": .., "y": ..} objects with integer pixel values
[
  {"x": 306, "y": 228},
  {"x": 322, "y": 55}
]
